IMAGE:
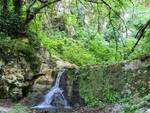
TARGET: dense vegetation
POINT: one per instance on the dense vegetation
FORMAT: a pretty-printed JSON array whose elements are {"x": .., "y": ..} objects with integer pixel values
[
  {"x": 82, "y": 32},
  {"x": 95, "y": 35},
  {"x": 104, "y": 32}
]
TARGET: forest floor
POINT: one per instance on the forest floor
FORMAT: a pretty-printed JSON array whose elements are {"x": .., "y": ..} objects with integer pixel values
[
  {"x": 7, "y": 106},
  {"x": 75, "y": 110}
]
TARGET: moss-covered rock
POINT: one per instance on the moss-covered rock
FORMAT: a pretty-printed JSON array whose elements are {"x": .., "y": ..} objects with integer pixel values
[
  {"x": 20, "y": 66},
  {"x": 110, "y": 83},
  {"x": 15, "y": 49}
]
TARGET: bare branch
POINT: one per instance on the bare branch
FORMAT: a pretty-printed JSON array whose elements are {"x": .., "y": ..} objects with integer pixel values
[{"x": 140, "y": 34}]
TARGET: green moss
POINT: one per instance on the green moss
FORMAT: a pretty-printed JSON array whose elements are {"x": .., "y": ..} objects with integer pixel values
[
  {"x": 14, "y": 49},
  {"x": 71, "y": 74},
  {"x": 98, "y": 87},
  {"x": 110, "y": 83}
]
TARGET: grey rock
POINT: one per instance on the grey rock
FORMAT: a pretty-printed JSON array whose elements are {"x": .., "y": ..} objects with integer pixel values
[{"x": 4, "y": 109}]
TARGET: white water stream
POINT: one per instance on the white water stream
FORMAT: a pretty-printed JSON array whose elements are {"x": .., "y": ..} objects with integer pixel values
[{"x": 54, "y": 98}]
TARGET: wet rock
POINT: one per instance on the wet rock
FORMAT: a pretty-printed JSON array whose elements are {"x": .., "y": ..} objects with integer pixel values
[
  {"x": 142, "y": 110},
  {"x": 46, "y": 68},
  {"x": 70, "y": 85},
  {"x": 4, "y": 109},
  {"x": 132, "y": 65},
  {"x": 37, "y": 95},
  {"x": 47, "y": 71},
  {"x": 148, "y": 111},
  {"x": 60, "y": 64},
  {"x": 69, "y": 81},
  {"x": 1, "y": 63}
]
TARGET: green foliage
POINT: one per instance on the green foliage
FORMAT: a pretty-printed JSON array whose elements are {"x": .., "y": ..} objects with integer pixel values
[
  {"x": 98, "y": 38},
  {"x": 10, "y": 24},
  {"x": 68, "y": 49},
  {"x": 101, "y": 50},
  {"x": 19, "y": 108},
  {"x": 70, "y": 19},
  {"x": 80, "y": 52},
  {"x": 89, "y": 46},
  {"x": 10, "y": 49},
  {"x": 134, "y": 104},
  {"x": 101, "y": 84},
  {"x": 96, "y": 88},
  {"x": 86, "y": 50}
]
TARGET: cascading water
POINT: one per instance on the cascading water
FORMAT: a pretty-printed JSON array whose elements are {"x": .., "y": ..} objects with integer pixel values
[{"x": 54, "y": 98}]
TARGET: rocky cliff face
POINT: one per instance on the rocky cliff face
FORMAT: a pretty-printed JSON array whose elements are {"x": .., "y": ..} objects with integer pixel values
[
  {"x": 20, "y": 66},
  {"x": 68, "y": 83},
  {"x": 29, "y": 70}
]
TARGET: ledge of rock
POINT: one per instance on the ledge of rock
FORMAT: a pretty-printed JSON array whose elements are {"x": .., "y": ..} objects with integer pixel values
[{"x": 20, "y": 66}]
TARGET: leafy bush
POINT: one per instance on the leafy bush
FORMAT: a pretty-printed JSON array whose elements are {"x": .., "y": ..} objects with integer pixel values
[{"x": 68, "y": 49}]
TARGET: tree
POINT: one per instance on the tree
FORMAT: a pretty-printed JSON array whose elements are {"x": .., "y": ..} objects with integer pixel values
[
  {"x": 13, "y": 21},
  {"x": 17, "y": 14}
]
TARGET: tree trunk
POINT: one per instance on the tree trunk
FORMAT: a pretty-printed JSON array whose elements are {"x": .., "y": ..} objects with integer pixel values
[
  {"x": 17, "y": 6},
  {"x": 4, "y": 7}
]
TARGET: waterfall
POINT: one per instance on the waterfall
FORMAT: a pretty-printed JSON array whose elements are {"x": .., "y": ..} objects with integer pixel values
[{"x": 54, "y": 98}]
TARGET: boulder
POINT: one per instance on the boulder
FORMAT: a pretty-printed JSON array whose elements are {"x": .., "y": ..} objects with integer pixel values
[{"x": 21, "y": 64}]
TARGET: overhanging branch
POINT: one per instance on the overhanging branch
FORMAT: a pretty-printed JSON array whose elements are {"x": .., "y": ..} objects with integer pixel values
[
  {"x": 140, "y": 34},
  {"x": 31, "y": 14}
]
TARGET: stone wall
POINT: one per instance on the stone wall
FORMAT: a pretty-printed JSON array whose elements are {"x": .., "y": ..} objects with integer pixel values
[
  {"x": 70, "y": 84},
  {"x": 109, "y": 83}
]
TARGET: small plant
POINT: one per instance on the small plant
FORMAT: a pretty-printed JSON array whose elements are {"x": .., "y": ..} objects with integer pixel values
[{"x": 19, "y": 108}]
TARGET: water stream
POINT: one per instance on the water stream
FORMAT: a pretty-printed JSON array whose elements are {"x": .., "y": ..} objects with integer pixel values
[{"x": 54, "y": 98}]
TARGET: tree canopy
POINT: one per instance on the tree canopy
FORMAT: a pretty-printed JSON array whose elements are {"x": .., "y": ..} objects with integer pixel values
[{"x": 85, "y": 21}]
